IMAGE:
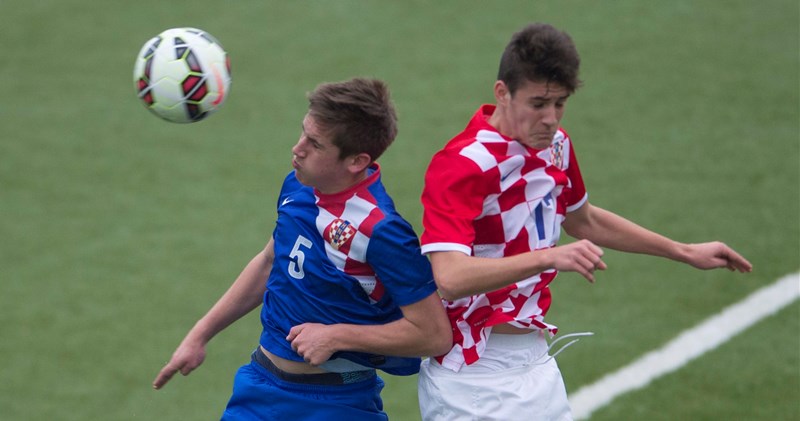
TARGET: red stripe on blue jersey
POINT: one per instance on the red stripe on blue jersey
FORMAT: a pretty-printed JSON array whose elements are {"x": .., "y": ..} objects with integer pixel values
[{"x": 346, "y": 225}]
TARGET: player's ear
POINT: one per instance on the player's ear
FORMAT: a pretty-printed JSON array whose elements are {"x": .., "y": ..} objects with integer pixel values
[
  {"x": 359, "y": 162},
  {"x": 501, "y": 93}
]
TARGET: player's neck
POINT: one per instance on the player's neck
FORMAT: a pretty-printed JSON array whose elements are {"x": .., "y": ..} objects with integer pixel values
[
  {"x": 344, "y": 185},
  {"x": 497, "y": 120}
]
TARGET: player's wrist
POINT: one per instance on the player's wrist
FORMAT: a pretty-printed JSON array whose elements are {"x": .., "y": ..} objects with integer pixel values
[
  {"x": 680, "y": 252},
  {"x": 541, "y": 260},
  {"x": 199, "y": 335}
]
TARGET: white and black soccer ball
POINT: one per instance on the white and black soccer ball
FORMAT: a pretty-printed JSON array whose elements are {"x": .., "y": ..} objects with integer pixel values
[{"x": 182, "y": 75}]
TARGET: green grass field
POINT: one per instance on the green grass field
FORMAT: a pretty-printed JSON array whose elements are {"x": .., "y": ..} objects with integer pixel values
[{"x": 120, "y": 230}]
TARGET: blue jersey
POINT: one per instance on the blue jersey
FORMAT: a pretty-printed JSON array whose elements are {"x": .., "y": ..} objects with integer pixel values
[{"x": 342, "y": 258}]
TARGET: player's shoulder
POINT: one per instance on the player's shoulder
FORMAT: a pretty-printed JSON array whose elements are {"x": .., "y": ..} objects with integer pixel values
[
  {"x": 389, "y": 223},
  {"x": 292, "y": 190},
  {"x": 458, "y": 153},
  {"x": 562, "y": 136}
]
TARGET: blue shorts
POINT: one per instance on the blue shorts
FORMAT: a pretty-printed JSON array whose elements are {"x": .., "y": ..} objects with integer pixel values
[{"x": 261, "y": 394}]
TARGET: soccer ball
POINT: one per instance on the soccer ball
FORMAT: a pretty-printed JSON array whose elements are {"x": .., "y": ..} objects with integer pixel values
[{"x": 182, "y": 75}]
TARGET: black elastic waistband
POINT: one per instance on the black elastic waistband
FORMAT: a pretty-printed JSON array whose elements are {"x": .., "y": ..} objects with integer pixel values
[{"x": 329, "y": 379}]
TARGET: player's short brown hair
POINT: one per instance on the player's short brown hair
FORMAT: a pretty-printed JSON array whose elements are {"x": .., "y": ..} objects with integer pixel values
[
  {"x": 540, "y": 53},
  {"x": 358, "y": 114}
]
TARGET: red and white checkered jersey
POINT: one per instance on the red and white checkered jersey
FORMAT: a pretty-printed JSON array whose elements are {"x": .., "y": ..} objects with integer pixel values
[{"x": 487, "y": 195}]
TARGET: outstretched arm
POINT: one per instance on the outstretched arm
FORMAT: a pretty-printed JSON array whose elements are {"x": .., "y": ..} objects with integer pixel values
[
  {"x": 423, "y": 330},
  {"x": 607, "y": 229},
  {"x": 243, "y": 296}
]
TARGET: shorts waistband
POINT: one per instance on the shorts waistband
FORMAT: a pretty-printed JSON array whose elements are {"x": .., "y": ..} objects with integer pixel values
[
  {"x": 327, "y": 379},
  {"x": 534, "y": 340}
]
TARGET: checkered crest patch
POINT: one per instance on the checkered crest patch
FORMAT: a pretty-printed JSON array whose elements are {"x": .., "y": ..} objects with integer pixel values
[
  {"x": 339, "y": 232},
  {"x": 557, "y": 154}
]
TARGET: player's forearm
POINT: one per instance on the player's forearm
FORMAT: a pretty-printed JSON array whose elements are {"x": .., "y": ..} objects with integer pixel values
[
  {"x": 459, "y": 276},
  {"x": 399, "y": 338},
  {"x": 607, "y": 229},
  {"x": 423, "y": 330},
  {"x": 231, "y": 307},
  {"x": 245, "y": 294}
]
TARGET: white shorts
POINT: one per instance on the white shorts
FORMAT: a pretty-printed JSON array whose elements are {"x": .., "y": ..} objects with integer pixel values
[{"x": 511, "y": 381}]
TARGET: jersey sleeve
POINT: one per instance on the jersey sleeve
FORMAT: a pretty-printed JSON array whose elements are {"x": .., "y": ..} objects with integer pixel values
[
  {"x": 452, "y": 199},
  {"x": 289, "y": 186},
  {"x": 395, "y": 256}
]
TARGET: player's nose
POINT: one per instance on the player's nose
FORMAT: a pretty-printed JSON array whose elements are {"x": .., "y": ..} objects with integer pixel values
[
  {"x": 298, "y": 148},
  {"x": 550, "y": 116}
]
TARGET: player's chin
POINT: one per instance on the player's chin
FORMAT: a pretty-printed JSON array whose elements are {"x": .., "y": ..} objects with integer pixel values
[
  {"x": 298, "y": 174},
  {"x": 540, "y": 141}
]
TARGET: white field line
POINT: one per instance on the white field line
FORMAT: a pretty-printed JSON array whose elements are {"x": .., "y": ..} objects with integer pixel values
[{"x": 687, "y": 346}]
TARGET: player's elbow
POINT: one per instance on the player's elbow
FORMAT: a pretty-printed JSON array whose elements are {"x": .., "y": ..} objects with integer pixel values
[
  {"x": 441, "y": 339},
  {"x": 449, "y": 287},
  {"x": 448, "y": 294},
  {"x": 441, "y": 345},
  {"x": 449, "y": 269}
]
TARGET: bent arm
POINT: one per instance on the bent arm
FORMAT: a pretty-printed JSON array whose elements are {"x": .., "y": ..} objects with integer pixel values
[
  {"x": 608, "y": 229},
  {"x": 423, "y": 330},
  {"x": 244, "y": 295},
  {"x": 458, "y": 275}
]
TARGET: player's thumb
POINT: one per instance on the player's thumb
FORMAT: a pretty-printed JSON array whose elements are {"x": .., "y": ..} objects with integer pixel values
[{"x": 293, "y": 332}]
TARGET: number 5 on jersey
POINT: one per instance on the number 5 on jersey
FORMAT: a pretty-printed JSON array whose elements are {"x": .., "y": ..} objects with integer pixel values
[{"x": 298, "y": 257}]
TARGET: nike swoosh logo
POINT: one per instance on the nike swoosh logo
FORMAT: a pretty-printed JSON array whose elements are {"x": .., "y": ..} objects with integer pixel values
[
  {"x": 503, "y": 177},
  {"x": 287, "y": 200}
]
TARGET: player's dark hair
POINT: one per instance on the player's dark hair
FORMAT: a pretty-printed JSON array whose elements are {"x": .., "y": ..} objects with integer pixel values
[
  {"x": 540, "y": 53},
  {"x": 358, "y": 114}
]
